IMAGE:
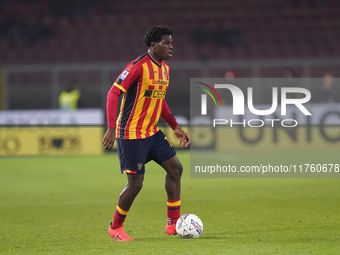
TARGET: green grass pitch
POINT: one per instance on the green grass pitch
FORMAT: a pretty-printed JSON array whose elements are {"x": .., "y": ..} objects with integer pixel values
[{"x": 64, "y": 206}]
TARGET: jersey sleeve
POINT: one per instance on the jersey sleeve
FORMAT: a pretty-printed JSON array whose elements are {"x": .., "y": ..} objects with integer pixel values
[
  {"x": 112, "y": 106},
  {"x": 130, "y": 75},
  {"x": 167, "y": 116}
]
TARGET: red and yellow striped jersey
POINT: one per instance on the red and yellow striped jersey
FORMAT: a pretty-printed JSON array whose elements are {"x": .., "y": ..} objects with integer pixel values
[{"x": 144, "y": 83}]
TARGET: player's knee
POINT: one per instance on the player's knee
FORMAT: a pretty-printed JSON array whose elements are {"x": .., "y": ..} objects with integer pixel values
[
  {"x": 180, "y": 169},
  {"x": 136, "y": 187},
  {"x": 173, "y": 167},
  {"x": 177, "y": 170},
  {"x": 135, "y": 183}
]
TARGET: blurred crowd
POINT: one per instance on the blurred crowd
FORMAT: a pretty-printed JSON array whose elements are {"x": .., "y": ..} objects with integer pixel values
[
  {"x": 26, "y": 31},
  {"x": 19, "y": 31}
]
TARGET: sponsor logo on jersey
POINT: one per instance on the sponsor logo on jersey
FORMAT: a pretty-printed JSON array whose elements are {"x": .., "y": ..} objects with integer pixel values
[
  {"x": 160, "y": 82},
  {"x": 153, "y": 93}
]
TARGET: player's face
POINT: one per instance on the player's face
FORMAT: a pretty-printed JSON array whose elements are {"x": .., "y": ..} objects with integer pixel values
[{"x": 163, "y": 49}]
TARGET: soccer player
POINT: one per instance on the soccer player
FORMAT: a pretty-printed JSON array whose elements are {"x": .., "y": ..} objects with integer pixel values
[{"x": 144, "y": 83}]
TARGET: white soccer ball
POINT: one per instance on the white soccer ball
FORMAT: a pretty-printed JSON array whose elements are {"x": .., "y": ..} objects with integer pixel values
[{"x": 189, "y": 226}]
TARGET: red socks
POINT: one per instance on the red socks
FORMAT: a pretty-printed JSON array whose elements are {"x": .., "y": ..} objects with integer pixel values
[
  {"x": 173, "y": 213},
  {"x": 119, "y": 217},
  {"x": 174, "y": 208}
]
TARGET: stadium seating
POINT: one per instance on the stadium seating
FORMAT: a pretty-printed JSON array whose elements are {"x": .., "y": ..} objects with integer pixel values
[{"x": 273, "y": 29}]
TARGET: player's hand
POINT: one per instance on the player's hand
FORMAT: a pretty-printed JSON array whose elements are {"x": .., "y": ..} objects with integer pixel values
[
  {"x": 183, "y": 137},
  {"x": 109, "y": 138}
]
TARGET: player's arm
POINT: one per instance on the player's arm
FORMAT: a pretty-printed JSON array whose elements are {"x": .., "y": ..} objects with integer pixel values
[
  {"x": 182, "y": 136},
  {"x": 130, "y": 75},
  {"x": 111, "y": 110}
]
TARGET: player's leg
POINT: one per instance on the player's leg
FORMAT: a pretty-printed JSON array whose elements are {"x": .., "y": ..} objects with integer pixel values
[
  {"x": 174, "y": 169},
  {"x": 132, "y": 155},
  {"x": 126, "y": 198},
  {"x": 131, "y": 190},
  {"x": 164, "y": 154}
]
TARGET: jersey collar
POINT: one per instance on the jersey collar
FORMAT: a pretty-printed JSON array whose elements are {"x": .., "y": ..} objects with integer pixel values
[{"x": 154, "y": 60}]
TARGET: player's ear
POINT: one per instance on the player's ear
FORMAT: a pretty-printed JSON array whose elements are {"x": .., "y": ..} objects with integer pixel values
[{"x": 153, "y": 45}]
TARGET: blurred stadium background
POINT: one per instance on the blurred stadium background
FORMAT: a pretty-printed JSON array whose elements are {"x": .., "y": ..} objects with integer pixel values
[
  {"x": 46, "y": 45},
  {"x": 62, "y": 205}
]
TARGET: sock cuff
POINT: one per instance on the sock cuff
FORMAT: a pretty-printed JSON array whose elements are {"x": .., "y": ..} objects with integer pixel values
[
  {"x": 173, "y": 203},
  {"x": 121, "y": 211}
]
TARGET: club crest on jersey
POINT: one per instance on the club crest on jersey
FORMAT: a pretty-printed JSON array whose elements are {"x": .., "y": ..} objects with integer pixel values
[
  {"x": 165, "y": 75},
  {"x": 123, "y": 76},
  {"x": 139, "y": 166}
]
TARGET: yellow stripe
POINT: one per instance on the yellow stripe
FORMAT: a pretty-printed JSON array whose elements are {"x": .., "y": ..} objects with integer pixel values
[
  {"x": 164, "y": 70},
  {"x": 121, "y": 211},
  {"x": 152, "y": 132},
  {"x": 122, "y": 104},
  {"x": 140, "y": 103},
  {"x": 120, "y": 87},
  {"x": 178, "y": 203},
  {"x": 155, "y": 68},
  {"x": 157, "y": 117},
  {"x": 138, "y": 109},
  {"x": 151, "y": 107}
]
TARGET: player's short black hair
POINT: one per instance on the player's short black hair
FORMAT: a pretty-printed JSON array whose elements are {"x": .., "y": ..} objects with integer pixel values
[{"x": 155, "y": 33}]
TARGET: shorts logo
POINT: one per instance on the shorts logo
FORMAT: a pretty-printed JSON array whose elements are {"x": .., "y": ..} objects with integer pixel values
[
  {"x": 139, "y": 166},
  {"x": 123, "y": 76}
]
